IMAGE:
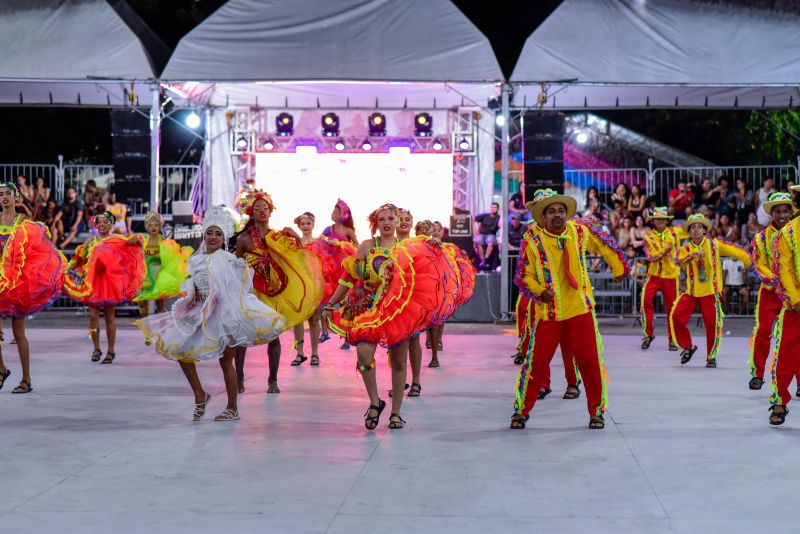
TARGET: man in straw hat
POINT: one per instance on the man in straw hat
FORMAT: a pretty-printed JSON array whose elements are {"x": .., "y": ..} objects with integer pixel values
[
  {"x": 526, "y": 316},
  {"x": 704, "y": 284},
  {"x": 660, "y": 247},
  {"x": 786, "y": 363},
  {"x": 780, "y": 208},
  {"x": 555, "y": 274}
]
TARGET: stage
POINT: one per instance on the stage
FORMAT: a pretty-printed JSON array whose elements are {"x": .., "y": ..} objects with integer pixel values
[{"x": 100, "y": 448}]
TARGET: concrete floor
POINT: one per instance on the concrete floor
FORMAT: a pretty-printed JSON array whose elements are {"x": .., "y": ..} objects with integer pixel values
[{"x": 112, "y": 448}]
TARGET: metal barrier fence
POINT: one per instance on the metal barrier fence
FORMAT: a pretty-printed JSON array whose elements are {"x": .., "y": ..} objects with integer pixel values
[
  {"x": 31, "y": 171},
  {"x": 578, "y": 181}
]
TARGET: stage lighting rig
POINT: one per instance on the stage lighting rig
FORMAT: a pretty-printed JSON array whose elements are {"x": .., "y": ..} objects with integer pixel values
[
  {"x": 366, "y": 145},
  {"x": 330, "y": 125},
  {"x": 284, "y": 124},
  {"x": 339, "y": 145},
  {"x": 423, "y": 125},
  {"x": 464, "y": 143},
  {"x": 268, "y": 144},
  {"x": 437, "y": 145},
  {"x": 242, "y": 143},
  {"x": 377, "y": 125}
]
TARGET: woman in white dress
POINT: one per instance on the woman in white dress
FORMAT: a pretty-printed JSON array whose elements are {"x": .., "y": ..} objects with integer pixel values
[{"x": 216, "y": 314}]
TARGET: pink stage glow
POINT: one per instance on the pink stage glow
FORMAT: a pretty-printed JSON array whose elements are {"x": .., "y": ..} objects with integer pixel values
[{"x": 422, "y": 183}]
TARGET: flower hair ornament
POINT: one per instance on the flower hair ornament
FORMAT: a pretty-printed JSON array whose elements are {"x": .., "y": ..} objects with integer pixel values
[
  {"x": 305, "y": 215},
  {"x": 219, "y": 217},
  {"x": 12, "y": 186},
  {"x": 373, "y": 217},
  {"x": 246, "y": 205},
  {"x": 153, "y": 217},
  {"x": 107, "y": 216},
  {"x": 344, "y": 209}
]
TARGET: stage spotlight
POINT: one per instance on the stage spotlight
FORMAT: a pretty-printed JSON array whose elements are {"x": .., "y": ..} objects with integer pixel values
[
  {"x": 464, "y": 145},
  {"x": 284, "y": 124},
  {"x": 330, "y": 125},
  {"x": 193, "y": 120},
  {"x": 339, "y": 145},
  {"x": 366, "y": 145},
  {"x": 242, "y": 143},
  {"x": 377, "y": 124},
  {"x": 437, "y": 145},
  {"x": 582, "y": 138},
  {"x": 500, "y": 120},
  {"x": 423, "y": 125},
  {"x": 268, "y": 144}
]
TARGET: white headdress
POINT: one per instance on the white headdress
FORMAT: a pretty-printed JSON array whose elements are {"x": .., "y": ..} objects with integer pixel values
[{"x": 218, "y": 216}]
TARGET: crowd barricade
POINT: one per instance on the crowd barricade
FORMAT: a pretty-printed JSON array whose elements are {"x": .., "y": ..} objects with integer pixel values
[
  {"x": 578, "y": 181},
  {"x": 31, "y": 171}
]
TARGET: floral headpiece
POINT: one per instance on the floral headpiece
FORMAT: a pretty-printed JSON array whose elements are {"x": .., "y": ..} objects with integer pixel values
[
  {"x": 153, "y": 217},
  {"x": 219, "y": 217},
  {"x": 304, "y": 215},
  {"x": 10, "y": 185},
  {"x": 107, "y": 216},
  {"x": 373, "y": 217},
  {"x": 660, "y": 212},
  {"x": 345, "y": 211},
  {"x": 246, "y": 205},
  {"x": 424, "y": 228}
]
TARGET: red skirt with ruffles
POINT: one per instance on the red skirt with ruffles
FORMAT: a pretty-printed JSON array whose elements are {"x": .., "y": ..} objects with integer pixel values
[
  {"x": 331, "y": 253},
  {"x": 112, "y": 274}
]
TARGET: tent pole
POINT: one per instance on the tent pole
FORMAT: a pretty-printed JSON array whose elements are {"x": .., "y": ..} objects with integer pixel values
[
  {"x": 155, "y": 145},
  {"x": 207, "y": 153},
  {"x": 504, "y": 267}
]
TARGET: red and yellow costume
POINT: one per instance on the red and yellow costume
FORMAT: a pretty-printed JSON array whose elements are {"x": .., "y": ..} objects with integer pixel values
[
  {"x": 558, "y": 263},
  {"x": 105, "y": 272},
  {"x": 331, "y": 254},
  {"x": 31, "y": 268},
  {"x": 661, "y": 249},
  {"x": 704, "y": 285},
  {"x": 769, "y": 302},
  {"x": 786, "y": 362}
]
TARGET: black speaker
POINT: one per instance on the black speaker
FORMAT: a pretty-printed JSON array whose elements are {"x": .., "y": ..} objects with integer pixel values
[
  {"x": 543, "y": 151},
  {"x": 130, "y": 136}
]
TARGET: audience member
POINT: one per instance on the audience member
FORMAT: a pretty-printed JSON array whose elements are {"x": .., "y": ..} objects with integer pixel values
[
  {"x": 680, "y": 198},
  {"x": 625, "y": 237},
  {"x": 735, "y": 276},
  {"x": 486, "y": 234},
  {"x": 248, "y": 186},
  {"x": 515, "y": 232},
  {"x": 68, "y": 219},
  {"x": 636, "y": 202},
  {"x": 118, "y": 210},
  {"x": 741, "y": 201},
  {"x": 24, "y": 189},
  {"x": 22, "y": 207},
  {"x": 40, "y": 195},
  {"x": 648, "y": 209},
  {"x": 726, "y": 230},
  {"x": 92, "y": 200},
  {"x": 615, "y": 218},
  {"x": 516, "y": 205},
  {"x": 759, "y": 198},
  {"x": 621, "y": 194},
  {"x": 637, "y": 235},
  {"x": 751, "y": 228},
  {"x": 592, "y": 205}
]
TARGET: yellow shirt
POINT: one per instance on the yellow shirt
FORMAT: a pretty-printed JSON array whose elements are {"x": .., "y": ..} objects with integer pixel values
[
  {"x": 789, "y": 261},
  {"x": 763, "y": 244},
  {"x": 704, "y": 272},
  {"x": 543, "y": 267},
  {"x": 661, "y": 250}
]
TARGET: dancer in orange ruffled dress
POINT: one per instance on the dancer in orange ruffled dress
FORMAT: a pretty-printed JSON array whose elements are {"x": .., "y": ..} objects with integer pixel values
[
  {"x": 105, "y": 272},
  {"x": 31, "y": 276}
]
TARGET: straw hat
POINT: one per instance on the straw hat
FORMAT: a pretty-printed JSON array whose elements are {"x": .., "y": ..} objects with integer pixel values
[
  {"x": 696, "y": 218},
  {"x": 544, "y": 198},
  {"x": 776, "y": 199},
  {"x": 661, "y": 212}
]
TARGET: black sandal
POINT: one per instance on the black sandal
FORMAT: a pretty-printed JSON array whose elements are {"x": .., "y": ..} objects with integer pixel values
[
  {"x": 646, "y": 342},
  {"x": 673, "y": 347},
  {"x": 434, "y": 363},
  {"x": 404, "y": 388},
  {"x": 23, "y": 387},
  {"x": 687, "y": 354},
  {"x": 571, "y": 395},
  {"x": 415, "y": 390},
  {"x": 711, "y": 363},
  {"x": 371, "y": 421},
  {"x": 4, "y": 377},
  {"x": 518, "y": 421},
  {"x": 109, "y": 358},
  {"x": 597, "y": 422},
  {"x": 755, "y": 383},
  {"x": 519, "y": 359},
  {"x": 298, "y": 360},
  {"x": 96, "y": 355},
  {"x": 396, "y": 422},
  {"x": 314, "y": 359},
  {"x": 543, "y": 393},
  {"x": 778, "y": 418},
  {"x": 797, "y": 394}
]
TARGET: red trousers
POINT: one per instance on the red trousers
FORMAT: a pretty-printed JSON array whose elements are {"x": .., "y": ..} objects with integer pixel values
[
  {"x": 525, "y": 308},
  {"x": 786, "y": 364},
  {"x": 576, "y": 337},
  {"x": 682, "y": 313},
  {"x": 668, "y": 288},
  {"x": 769, "y": 306}
]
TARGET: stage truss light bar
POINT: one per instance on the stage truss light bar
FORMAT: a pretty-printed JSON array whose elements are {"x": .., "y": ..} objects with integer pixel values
[
  {"x": 377, "y": 125},
  {"x": 423, "y": 125},
  {"x": 330, "y": 125},
  {"x": 284, "y": 124}
]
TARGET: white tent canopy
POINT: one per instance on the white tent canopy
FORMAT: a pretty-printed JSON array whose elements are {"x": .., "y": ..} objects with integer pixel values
[
  {"x": 76, "y": 52},
  {"x": 660, "y": 53},
  {"x": 380, "y": 54}
]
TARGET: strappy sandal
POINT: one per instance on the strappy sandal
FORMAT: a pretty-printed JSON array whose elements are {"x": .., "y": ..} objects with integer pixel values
[
  {"x": 272, "y": 387},
  {"x": 4, "y": 377},
  {"x": 519, "y": 359},
  {"x": 324, "y": 337},
  {"x": 434, "y": 363},
  {"x": 96, "y": 355},
  {"x": 109, "y": 358},
  {"x": 673, "y": 347},
  {"x": 755, "y": 383},
  {"x": 314, "y": 359},
  {"x": 299, "y": 359},
  {"x": 396, "y": 422},
  {"x": 778, "y": 418},
  {"x": 428, "y": 344},
  {"x": 571, "y": 395},
  {"x": 597, "y": 422},
  {"x": 415, "y": 391},
  {"x": 227, "y": 415},
  {"x": 518, "y": 421},
  {"x": 404, "y": 388},
  {"x": 646, "y": 342},
  {"x": 23, "y": 387},
  {"x": 371, "y": 421},
  {"x": 687, "y": 354},
  {"x": 439, "y": 346},
  {"x": 200, "y": 409},
  {"x": 711, "y": 363},
  {"x": 543, "y": 393}
]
